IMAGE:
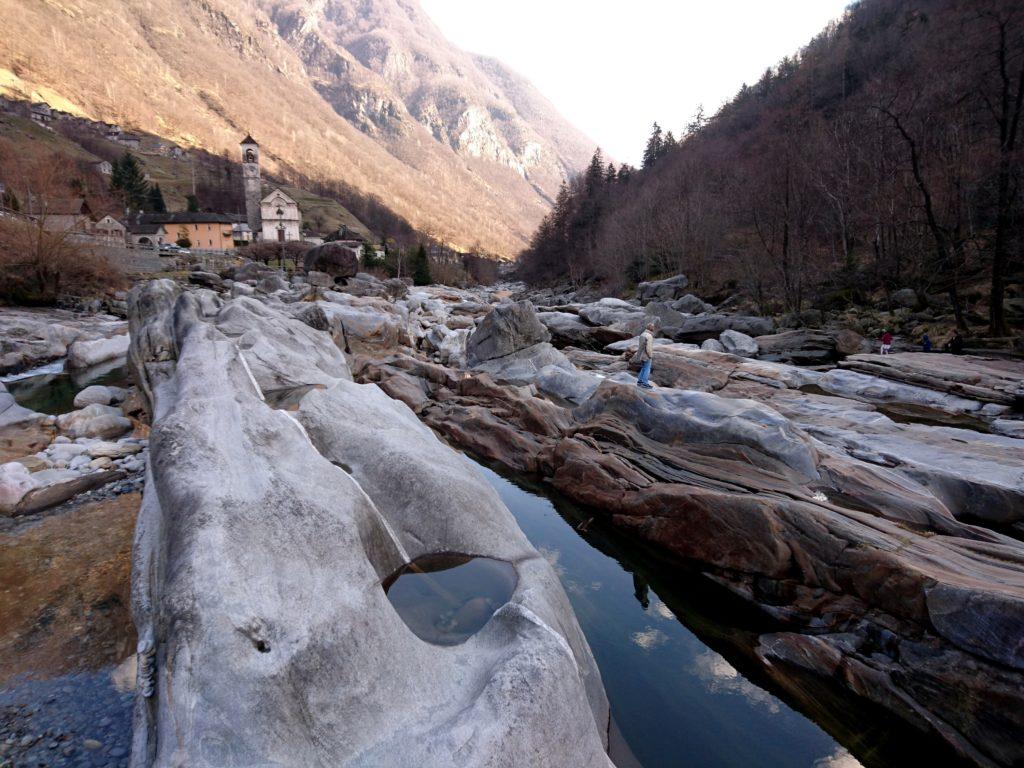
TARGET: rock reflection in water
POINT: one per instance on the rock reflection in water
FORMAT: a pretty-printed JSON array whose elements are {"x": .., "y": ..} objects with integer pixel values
[{"x": 445, "y": 599}]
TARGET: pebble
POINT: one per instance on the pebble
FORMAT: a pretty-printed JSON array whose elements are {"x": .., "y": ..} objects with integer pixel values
[{"x": 92, "y": 744}]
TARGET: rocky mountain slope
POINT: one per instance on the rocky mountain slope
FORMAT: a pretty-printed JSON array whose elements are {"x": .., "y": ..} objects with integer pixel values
[{"x": 367, "y": 92}]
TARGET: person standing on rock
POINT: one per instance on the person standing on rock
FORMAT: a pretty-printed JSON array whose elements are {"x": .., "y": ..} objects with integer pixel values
[
  {"x": 926, "y": 343},
  {"x": 886, "y": 343},
  {"x": 645, "y": 354},
  {"x": 956, "y": 343}
]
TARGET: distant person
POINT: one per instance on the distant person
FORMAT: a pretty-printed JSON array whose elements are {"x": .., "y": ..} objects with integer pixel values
[
  {"x": 956, "y": 343},
  {"x": 645, "y": 354},
  {"x": 926, "y": 343},
  {"x": 886, "y": 343}
]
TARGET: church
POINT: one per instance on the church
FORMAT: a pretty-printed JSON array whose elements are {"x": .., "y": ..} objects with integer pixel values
[{"x": 274, "y": 218}]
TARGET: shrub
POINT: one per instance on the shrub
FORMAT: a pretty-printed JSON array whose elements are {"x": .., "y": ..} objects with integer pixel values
[{"x": 37, "y": 266}]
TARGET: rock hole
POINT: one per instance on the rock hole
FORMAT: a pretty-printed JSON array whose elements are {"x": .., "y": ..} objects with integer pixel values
[
  {"x": 262, "y": 646},
  {"x": 447, "y": 598}
]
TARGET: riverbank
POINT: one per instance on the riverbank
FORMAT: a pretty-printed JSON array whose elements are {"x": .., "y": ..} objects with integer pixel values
[{"x": 864, "y": 511}]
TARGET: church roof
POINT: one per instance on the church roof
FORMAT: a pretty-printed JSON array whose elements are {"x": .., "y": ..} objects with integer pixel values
[
  {"x": 248, "y": 140},
  {"x": 276, "y": 191}
]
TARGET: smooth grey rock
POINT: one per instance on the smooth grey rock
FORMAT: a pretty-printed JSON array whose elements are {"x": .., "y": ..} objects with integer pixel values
[
  {"x": 570, "y": 386},
  {"x": 97, "y": 393},
  {"x": 86, "y": 353},
  {"x": 619, "y": 313},
  {"x": 522, "y": 367},
  {"x": 94, "y": 420},
  {"x": 662, "y": 290},
  {"x": 205, "y": 279},
  {"x": 674, "y": 415},
  {"x": 737, "y": 343},
  {"x": 697, "y": 329},
  {"x": 283, "y": 353},
  {"x": 666, "y": 315},
  {"x": 691, "y": 305},
  {"x": 252, "y": 516},
  {"x": 712, "y": 345},
  {"x": 113, "y": 450},
  {"x": 272, "y": 283}
]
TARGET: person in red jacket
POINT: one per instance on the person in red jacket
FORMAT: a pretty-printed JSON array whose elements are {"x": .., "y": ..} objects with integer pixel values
[{"x": 886, "y": 342}]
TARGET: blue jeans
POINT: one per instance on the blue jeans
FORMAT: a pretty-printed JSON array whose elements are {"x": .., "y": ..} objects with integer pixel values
[{"x": 645, "y": 372}]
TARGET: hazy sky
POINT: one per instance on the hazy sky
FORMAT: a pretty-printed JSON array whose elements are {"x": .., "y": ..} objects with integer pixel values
[{"x": 614, "y": 66}]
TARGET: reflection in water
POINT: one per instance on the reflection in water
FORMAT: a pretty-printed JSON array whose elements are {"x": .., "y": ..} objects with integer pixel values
[
  {"x": 722, "y": 677},
  {"x": 675, "y": 700},
  {"x": 51, "y": 389},
  {"x": 446, "y": 599}
]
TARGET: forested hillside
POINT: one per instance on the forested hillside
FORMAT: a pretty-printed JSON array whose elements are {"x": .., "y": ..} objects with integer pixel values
[
  {"x": 884, "y": 155},
  {"x": 364, "y": 98}
]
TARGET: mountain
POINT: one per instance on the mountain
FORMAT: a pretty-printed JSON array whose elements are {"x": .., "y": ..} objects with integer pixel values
[
  {"x": 886, "y": 155},
  {"x": 364, "y": 92}
]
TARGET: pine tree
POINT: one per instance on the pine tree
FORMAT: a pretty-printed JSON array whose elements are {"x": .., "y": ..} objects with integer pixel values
[
  {"x": 192, "y": 203},
  {"x": 610, "y": 175},
  {"x": 625, "y": 171},
  {"x": 370, "y": 260},
  {"x": 593, "y": 178},
  {"x": 653, "y": 150},
  {"x": 128, "y": 182},
  {"x": 421, "y": 267},
  {"x": 156, "y": 200},
  {"x": 667, "y": 145}
]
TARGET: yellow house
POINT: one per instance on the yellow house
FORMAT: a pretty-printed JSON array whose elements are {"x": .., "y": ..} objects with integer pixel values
[{"x": 203, "y": 231}]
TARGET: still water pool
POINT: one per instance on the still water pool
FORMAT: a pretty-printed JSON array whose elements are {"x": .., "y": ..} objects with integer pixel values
[
  {"x": 52, "y": 389},
  {"x": 676, "y": 701}
]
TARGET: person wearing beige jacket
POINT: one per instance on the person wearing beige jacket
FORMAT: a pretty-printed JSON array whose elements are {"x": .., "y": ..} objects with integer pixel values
[{"x": 645, "y": 354}]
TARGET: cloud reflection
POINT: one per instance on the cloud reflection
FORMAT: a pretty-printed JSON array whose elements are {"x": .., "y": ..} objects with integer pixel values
[
  {"x": 721, "y": 677},
  {"x": 649, "y": 638},
  {"x": 838, "y": 759}
]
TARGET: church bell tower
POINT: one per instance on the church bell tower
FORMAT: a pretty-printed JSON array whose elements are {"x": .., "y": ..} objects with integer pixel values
[{"x": 251, "y": 181}]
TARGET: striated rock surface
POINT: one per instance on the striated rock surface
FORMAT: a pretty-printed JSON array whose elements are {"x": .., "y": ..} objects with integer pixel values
[
  {"x": 879, "y": 547},
  {"x": 265, "y": 636}
]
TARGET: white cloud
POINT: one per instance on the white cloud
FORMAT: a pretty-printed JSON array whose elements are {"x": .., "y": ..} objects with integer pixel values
[{"x": 612, "y": 68}]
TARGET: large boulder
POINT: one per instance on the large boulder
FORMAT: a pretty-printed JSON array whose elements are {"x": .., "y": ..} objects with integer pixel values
[
  {"x": 665, "y": 315},
  {"x": 662, "y": 290},
  {"x": 799, "y": 347},
  {"x": 613, "y": 312},
  {"x": 697, "y": 329},
  {"x": 736, "y": 343},
  {"x": 691, "y": 305},
  {"x": 102, "y": 421},
  {"x": 98, "y": 393},
  {"x": 334, "y": 259},
  {"x": 567, "y": 329},
  {"x": 86, "y": 353},
  {"x": 507, "y": 328},
  {"x": 265, "y": 635}
]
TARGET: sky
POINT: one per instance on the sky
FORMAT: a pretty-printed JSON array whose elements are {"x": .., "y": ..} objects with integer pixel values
[{"x": 613, "y": 67}]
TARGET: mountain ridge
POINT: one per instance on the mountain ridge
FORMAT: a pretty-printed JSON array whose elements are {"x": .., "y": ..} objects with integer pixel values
[{"x": 366, "y": 92}]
